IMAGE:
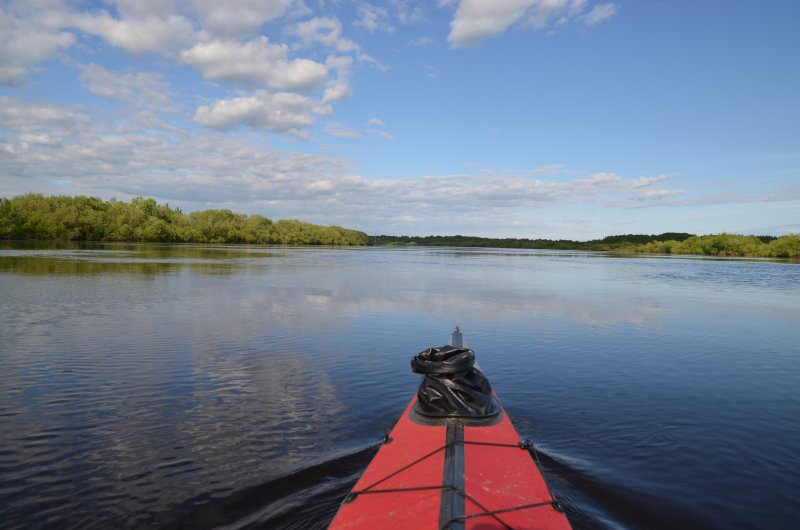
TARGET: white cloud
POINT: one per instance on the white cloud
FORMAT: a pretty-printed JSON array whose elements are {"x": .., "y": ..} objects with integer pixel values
[
  {"x": 257, "y": 62},
  {"x": 144, "y": 8},
  {"x": 136, "y": 35},
  {"x": 653, "y": 194},
  {"x": 339, "y": 130},
  {"x": 576, "y": 7},
  {"x": 376, "y": 122},
  {"x": 599, "y": 179},
  {"x": 143, "y": 89},
  {"x": 326, "y": 31},
  {"x": 45, "y": 143},
  {"x": 23, "y": 43},
  {"x": 543, "y": 13},
  {"x": 373, "y": 18},
  {"x": 477, "y": 19},
  {"x": 41, "y": 139},
  {"x": 407, "y": 13},
  {"x": 381, "y": 134},
  {"x": 599, "y": 13},
  {"x": 643, "y": 182},
  {"x": 188, "y": 158},
  {"x": 335, "y": 91},
  {"x": 237, "y": 17},
  {"x": 282, "y": 112},
  {"x": 17, "y": 116}
]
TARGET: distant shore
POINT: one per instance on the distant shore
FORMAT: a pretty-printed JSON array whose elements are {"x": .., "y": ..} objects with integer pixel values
[
  {"x": 666, "y": 243},
  {"x": 34, "y": 216}
]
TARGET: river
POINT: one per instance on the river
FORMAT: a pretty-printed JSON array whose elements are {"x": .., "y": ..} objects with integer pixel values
[{"x": 201, "y": 386}]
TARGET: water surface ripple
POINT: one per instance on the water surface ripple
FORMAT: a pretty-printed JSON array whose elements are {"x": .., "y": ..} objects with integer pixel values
[{"x": 203, "y": 386}]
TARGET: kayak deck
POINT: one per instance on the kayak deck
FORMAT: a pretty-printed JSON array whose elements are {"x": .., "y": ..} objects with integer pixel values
[{"x": 451, "y": 476}]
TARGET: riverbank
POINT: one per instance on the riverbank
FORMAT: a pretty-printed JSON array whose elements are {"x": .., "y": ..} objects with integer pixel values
[
  {"x": 35, "y": 216},
  {"x": 666, "y": 243},
  {"x": 723, "y": 245},
  {"x": 57, "y": 217}
]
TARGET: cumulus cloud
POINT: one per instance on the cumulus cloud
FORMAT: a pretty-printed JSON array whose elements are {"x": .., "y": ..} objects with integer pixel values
[
  {"x": 46, "y": 143},
  {"x": 326, "y": 31},
  {"x": 381, "y": 134},
  {"x": 376, "y": 122},
  {"x": 226, "y": 19},
  {"x": 373, "y": 18},
  {"x": 23, "y": 43},
  {"x": 257, "y": 62},
  {"x": 599, "y": 13},
  {"x": 58, "y": 142},
  {"x": 198, "y": 33},
  {"x": 643, "y": 182},
  {"x": 143, "y": 89},
  {"x": 235, "y": 17},
  {"x": 339, "y": 130},
  {"x": 281, "y": 112},
  {"x": 335, "y": 91},
  {"x": 477, "y": 19},
  {"x": 407, "y": 12},
  {"x": 135, "y": 35},
  {"x": 144, "y": 8},
  {"x": 17, "y": 116}
]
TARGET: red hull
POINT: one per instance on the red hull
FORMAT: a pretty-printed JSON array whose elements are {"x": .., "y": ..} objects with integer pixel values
[{"x": 443, "y": 476}]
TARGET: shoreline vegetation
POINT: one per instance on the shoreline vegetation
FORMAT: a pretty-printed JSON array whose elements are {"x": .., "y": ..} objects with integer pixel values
[
  {"x": 666, "y": 243},
  {"x": 34, "y": 216}
]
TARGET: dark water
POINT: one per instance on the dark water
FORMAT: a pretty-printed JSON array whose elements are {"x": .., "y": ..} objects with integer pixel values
[{"x": 196, "y": 387}]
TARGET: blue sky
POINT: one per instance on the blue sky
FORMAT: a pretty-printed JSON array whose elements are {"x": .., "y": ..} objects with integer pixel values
[{"x": 508, "y": 118}]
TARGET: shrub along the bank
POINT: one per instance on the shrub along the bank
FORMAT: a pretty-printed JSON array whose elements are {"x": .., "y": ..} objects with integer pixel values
[
  {"x": 81, "y": 218},
  {"x": 726, "y": 245}
]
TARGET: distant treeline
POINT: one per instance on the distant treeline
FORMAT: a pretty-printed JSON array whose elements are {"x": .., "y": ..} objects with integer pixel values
[
  {"x": 81, "y": 218},
  {"x": 666, "y": 243},
  {"x": 57, "y": 217},
  {"x": 607, "y": 243}
]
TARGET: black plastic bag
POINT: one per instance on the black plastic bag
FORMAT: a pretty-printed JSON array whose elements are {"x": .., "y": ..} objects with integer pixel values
[{"x": 451, "y": 386}]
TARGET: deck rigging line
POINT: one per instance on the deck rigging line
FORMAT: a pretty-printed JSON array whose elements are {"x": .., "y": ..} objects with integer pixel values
[{"x": 452, "y": 514}]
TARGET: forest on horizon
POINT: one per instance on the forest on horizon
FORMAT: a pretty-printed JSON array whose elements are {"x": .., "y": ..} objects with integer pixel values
[
  {"x": 34, "y": 216},
  {"x": 666, "y": 243},
  {"x": 80, "y": 218}
]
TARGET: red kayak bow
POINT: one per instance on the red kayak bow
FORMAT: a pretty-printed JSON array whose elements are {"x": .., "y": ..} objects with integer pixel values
[{"x": 452, "y": 461}]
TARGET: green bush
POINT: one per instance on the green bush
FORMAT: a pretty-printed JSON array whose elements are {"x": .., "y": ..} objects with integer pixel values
[{"x": 36, "y": 216}]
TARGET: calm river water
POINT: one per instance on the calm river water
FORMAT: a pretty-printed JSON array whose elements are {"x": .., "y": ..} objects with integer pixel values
[{"x": 248, "y": 387}]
